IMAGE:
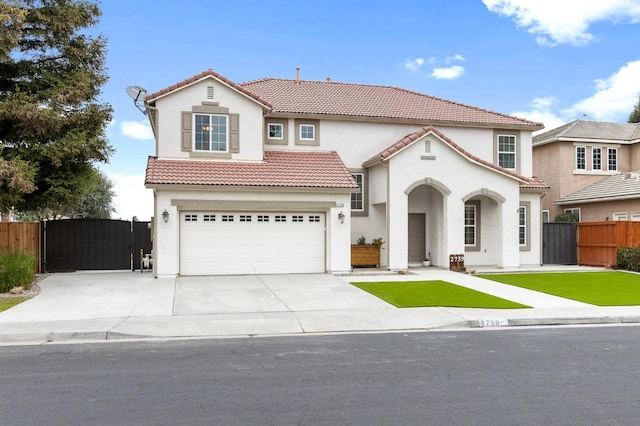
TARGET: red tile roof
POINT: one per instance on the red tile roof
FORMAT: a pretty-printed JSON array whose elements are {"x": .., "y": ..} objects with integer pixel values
[
  {"x": 360, "y": 100},
  {"x": 356, "y": 100},
  {"x": 283, "y": 169},
  {"x": 200, "y": 76},
  {"x": 525, "y": 182}
]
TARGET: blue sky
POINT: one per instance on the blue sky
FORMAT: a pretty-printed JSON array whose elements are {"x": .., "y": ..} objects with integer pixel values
[{"x": 550, "y": 61}]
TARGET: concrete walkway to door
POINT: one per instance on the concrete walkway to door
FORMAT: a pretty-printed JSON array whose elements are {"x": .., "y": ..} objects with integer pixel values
[{"x": 86, "y": 306}]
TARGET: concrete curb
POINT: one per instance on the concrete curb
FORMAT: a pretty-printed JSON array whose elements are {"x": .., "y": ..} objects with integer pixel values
[{"x": 105, "y": 336}]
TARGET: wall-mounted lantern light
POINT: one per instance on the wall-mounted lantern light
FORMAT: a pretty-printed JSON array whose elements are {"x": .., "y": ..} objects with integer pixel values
[
  {"x": 165, "y": 216},
  {"x": 341, "y": 217}
]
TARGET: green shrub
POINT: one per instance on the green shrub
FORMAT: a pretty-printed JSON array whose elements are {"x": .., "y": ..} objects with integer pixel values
[
  {"x": 628, "y": 258},
  {"x": 17, "y": 269}
]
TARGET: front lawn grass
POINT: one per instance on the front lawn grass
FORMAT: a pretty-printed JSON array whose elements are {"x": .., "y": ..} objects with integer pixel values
[
  {"x": 420, "y": 294},
  {"x": 609, "y": 288},
  {"x": 10, "y": 302}
]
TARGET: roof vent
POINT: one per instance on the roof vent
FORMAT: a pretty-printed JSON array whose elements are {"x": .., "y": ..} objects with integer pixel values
[
  {"x": 297, "y": 75},
  {"x": 210, "y": 92}
]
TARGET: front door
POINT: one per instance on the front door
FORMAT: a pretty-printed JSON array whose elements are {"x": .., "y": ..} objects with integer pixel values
[{"x": 416, "y": 237}]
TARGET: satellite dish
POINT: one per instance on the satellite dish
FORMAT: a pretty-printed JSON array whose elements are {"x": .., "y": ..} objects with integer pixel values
[{"x": 138, "y": 94}]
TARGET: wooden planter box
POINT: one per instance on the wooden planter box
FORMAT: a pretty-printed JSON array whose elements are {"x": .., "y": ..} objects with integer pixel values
[{"x": 365, "y": 255}]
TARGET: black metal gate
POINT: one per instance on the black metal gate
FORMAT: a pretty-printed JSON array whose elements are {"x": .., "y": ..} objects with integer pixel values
[
  {"x": 93, "y": 244},
  {"x": 559, "y": 243}
]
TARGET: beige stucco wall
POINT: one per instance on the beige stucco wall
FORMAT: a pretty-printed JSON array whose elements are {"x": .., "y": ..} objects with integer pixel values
[{"x": 597, "y": 212}]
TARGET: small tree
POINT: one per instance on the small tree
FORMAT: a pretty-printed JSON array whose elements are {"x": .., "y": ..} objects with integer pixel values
[
  {"x": 566, "y": 217},
  {"x": 634, "y": 117}
]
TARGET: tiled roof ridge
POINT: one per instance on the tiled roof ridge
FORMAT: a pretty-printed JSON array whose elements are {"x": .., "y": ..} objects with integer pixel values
[
  {"x": 412, "y": 137},
  {"x": 208, "y": 73},
  {"x": 386, "y": 86}
]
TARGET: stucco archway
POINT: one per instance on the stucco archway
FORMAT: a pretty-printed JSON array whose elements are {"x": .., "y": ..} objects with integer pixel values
[{"x": 426, "y": 221}]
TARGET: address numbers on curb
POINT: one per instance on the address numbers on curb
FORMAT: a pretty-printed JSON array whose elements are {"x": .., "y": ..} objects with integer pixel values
[{"x": 493, "y": 322}]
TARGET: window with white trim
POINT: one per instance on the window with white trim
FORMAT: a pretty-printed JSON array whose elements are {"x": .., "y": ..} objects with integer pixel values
[
  {"x": 596, "y": 158},
  {"x": 211, "y": 132},
  {"x": 522, "y": 225},
  {"x": 507, "y": 151},
  {"x": 357, "y": 198},
  {"x": 307, "y": 132},
  {"x": 470, "y": 225},
  {"x": 635, "y": 217},
  {"x": 581, "y": 158},
  {"x": 574, "y": 212},
  {"x": 612, "y": 159},
  {"x": 545, "y": 216},
  {"x": 619, "y": 216},
  {"x": 275, "y": 131}
]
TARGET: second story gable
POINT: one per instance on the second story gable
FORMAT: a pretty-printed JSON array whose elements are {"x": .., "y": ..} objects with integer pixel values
[{"x": 207, "y": 116}]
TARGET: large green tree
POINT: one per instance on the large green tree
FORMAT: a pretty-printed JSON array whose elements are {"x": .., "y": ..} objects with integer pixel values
[
  {"x": 97, "y": 201},
  {"x": 52, "y": 122},
  {"x": 634, "y": 117}
]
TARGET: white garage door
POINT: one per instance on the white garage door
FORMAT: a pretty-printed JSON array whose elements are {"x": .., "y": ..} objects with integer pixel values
[{"x": 225, "y": 243}]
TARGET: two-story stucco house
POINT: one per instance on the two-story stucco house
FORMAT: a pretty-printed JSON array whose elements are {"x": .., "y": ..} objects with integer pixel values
[
  {"x": 592, "y": 168},
  {"x": 282, "y": 176}
]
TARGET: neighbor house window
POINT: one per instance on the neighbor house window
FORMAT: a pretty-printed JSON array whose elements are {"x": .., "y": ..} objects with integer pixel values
[
  {"x": 596, "y": 158},
  {"x": 276, "y": 131},
  {"x": 470, "y": 225},
  {"x": 620, "y": 216},
  {"x": 581, "y": 158},
  {"x": 522, "y": 225},
  {"x": 545, "y": 216},
  {"x": 357, "y": 198},
  {"x": 612, "y": 156},
  {"x": 574, "y": 212},
  {"x": 507, "y": 151},
  {"x": 307, "y": 132},
  {"x": 211, "y": 132}
]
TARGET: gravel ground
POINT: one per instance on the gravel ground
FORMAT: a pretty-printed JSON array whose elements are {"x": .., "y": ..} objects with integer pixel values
[{"x": 35, "y": 289}]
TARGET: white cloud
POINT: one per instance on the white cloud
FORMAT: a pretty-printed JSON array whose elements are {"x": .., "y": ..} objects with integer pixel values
[
  {"x": 454, "y": 58},
  {"x": 414, "y": 64},
  {"x": 449, "y": 73},
  {"x": 541, "y": 112},
  {"x": 132, "y": 198},
  {"x": 613, "y": 100},
  {"x": 567, "y": 21},
  {"x": 136, "y": 129}
]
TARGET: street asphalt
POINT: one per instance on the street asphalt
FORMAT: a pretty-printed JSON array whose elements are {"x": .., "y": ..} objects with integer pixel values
[{"x": 92, "y": 306}]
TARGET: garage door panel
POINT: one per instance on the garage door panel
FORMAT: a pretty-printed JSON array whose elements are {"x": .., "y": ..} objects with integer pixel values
[{"x": 250, "y": 243}]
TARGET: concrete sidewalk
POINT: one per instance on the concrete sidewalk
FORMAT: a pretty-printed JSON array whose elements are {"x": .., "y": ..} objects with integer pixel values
[{"x": 87, "y": 306}]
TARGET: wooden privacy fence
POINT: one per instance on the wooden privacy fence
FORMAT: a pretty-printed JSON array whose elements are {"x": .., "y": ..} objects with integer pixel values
[
  {"x": 20, "y": 236},
  {"x": 598, "y": 242}
]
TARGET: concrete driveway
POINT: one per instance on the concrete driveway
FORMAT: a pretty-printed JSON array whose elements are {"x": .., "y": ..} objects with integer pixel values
[{"x": 116, "y": 305}]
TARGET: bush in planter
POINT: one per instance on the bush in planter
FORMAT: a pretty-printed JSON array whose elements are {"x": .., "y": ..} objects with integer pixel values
[
  {"x": 17, "y": 269},
  {"x": 628, "y": 258}
]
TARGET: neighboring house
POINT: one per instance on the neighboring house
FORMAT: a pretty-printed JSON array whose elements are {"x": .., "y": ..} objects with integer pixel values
[
  {"x": 587, "y": 166},
  {"x": 282, "y": 176}
]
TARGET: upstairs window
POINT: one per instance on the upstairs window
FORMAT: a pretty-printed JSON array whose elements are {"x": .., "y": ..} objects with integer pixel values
[
  {"x": 581, "y": 158},
  {"x": 357, "y": 198},
  {"x": 612, "y": 159},
  {"x": 507, "y": 151},
  {"x": 307, "y": 132},
  {"x": 211, "y": 132},
  {"x": 596, "y": 158},
  {"x": 275, "y": 131}
]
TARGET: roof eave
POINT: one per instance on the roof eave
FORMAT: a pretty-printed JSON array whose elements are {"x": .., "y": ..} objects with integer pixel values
[{"x": 597, "y": 200}]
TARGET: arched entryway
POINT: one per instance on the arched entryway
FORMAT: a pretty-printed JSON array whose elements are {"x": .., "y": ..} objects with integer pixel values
[{"x": 426, "y": 229}]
